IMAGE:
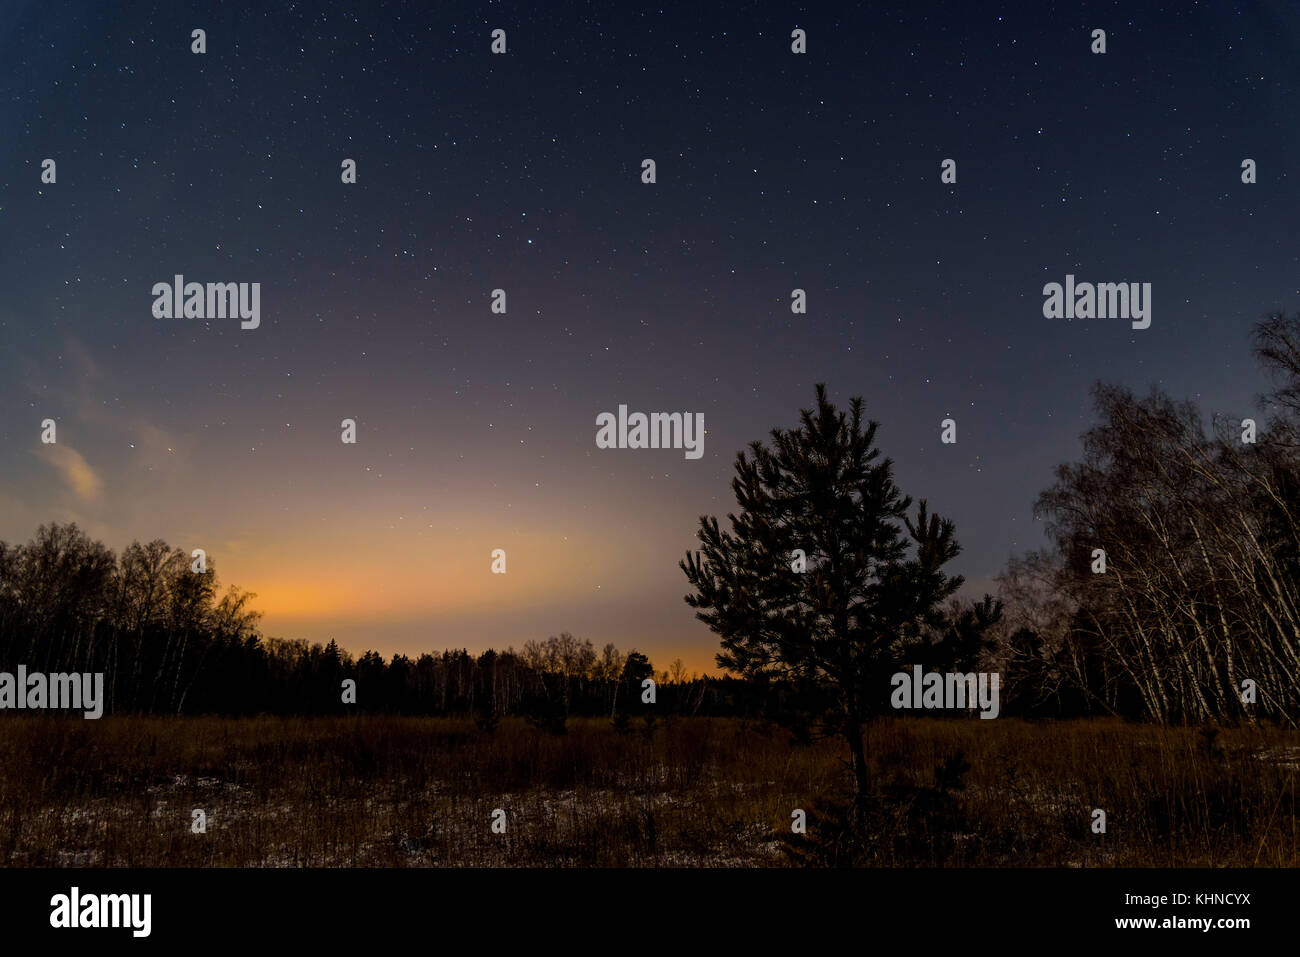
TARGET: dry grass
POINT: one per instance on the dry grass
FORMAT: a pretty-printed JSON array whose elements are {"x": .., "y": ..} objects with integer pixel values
[{"x": 375, "y": 791}]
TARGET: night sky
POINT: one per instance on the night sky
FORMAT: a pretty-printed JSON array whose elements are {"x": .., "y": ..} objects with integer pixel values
[{"x": 522, "y": 171}]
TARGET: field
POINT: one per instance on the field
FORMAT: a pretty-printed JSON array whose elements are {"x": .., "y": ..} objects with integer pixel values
[{"x": 387, "y": 791}]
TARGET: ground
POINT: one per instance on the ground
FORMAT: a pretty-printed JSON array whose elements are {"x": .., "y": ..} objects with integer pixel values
[{"x": 711, "y": 792}]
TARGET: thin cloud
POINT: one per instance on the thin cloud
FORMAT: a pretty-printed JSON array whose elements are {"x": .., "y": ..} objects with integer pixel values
[{"x": 75, "y": 471}]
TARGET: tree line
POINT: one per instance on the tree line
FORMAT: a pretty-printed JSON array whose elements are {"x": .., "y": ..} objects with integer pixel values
[
  {"x": 169, "y": 641},
  {"x": 1195, "y": 614},
  {"x": 1169, "y": 591}
]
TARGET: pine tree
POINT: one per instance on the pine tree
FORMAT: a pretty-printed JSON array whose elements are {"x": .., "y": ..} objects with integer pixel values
[{"x": 816, "y": 591}]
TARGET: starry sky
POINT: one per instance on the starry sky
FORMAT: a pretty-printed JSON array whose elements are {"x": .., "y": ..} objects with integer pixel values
[{"x": 521, "y": 171}]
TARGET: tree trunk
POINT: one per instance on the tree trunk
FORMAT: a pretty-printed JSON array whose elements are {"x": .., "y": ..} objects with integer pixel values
[{"x": 861, "y": 774}]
